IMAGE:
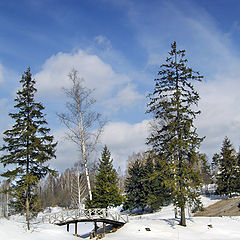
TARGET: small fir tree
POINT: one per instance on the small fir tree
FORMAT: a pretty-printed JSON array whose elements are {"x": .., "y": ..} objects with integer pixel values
[
  {"x": 174, "y": 137},
  {"x": 28, "y": 146},
  {"x": 136, "y": 194},
  {"x": 158, "y": 193},
  {"x": 149, "y": 183},
  {"x": 106, "y": 192},
  {"x": 227, "y": 175}
]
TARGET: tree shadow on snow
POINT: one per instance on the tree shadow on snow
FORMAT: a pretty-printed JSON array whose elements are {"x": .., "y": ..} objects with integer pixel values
[{"x": 172, "y": 222}]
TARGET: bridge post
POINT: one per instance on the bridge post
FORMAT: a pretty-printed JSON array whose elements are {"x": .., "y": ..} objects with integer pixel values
[
  {"x": 103, "y": 229},
  {"x": 68, "y": 227},
  {"x": 95, "y": 228},
  {"x": 76, "y": 228}
]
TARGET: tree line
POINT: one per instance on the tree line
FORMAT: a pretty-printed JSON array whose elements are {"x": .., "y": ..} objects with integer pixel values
[{"x": 172, "y": 170}]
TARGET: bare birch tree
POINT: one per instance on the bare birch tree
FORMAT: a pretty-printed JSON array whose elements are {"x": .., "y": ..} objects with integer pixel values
[
  {"x": 83, "y": 123},
  {"x": 78, "y": 187}
]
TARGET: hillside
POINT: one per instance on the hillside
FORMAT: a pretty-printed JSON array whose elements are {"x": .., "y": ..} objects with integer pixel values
[{"x": 224, "y": 207}]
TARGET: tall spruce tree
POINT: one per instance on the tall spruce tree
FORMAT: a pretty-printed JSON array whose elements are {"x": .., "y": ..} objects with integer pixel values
[
  {"x": 28, "y": 146},
  {"x": 227, "y": 175},
  {"x": 106, "y": 192},
  {"x": 175, "y": 139}
]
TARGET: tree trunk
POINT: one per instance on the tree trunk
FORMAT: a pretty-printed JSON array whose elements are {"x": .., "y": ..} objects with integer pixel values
[
  {"x": 27, "y": 214},
  {"x": 88, "y": 181},
  {"x": 7, "y": 204},
  {"x": 175, "y": 212},
  {"x": 83, "y": 147},
  {"x": 79, "y": 190},
  {"x": 183, "y": 217}
]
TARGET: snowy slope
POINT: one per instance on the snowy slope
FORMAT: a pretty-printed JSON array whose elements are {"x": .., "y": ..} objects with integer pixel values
[{"x": 168, "y": 229}]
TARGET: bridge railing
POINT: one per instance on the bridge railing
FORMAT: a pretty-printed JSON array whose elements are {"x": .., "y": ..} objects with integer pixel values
[{"x": 78, "y": 214}]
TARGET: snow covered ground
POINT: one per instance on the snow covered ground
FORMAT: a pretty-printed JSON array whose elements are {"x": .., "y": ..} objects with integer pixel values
[{"x": 162, "y": 226}]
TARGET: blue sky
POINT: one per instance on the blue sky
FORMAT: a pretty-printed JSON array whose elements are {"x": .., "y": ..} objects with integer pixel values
[{"x": 117, "y": 47}]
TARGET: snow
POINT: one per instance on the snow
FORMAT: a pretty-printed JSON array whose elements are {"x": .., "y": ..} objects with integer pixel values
[
  {"x": 168, "y": 229},
  {"x": 162, "y": 225}
]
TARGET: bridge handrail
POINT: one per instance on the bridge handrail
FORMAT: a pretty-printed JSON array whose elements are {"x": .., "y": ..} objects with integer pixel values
[{"x": 77, "y": 214}]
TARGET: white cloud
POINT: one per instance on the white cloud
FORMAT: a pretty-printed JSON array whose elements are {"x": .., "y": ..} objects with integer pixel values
[
  {"x": 128, "y": 95},
  {"x": 96, "y": 73},
  {"x": 66, "y": 154},
  {"x": 123, "y": 139},
  {"x": 125, "y": 98},
  {"x": 113, "y": 90},
  {"x": 220, "y": 115}
]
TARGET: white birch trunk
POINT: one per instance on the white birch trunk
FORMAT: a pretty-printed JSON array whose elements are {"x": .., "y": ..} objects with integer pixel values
[
  {"x": 83, "y": 149},
  {"x": 79, "y": 190}
]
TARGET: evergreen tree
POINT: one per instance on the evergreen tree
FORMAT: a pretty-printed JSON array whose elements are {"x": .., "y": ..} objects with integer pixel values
[
  {"x": 175, "y": 139},
  {"x": 237, "y": 175},
  {"x": 134, "y": 187},
  {"x": 157, "y": 192},
  {"x": 28, "y": 146},
  {"x": 227, "y": 176},
  {"x": 106, "y": 192},
  {"x": 149, "y": 183}
]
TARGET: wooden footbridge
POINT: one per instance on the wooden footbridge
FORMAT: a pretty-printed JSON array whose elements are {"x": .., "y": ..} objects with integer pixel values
[{"x": 74, "y": 216}]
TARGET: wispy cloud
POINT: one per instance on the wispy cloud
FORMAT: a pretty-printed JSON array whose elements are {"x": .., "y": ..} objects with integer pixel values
[{"x": 209, "y": 50}]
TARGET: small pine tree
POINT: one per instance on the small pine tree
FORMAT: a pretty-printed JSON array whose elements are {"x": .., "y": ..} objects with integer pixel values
[
  {"x": 136, "y": 193},
  {"x": 228, "y": 168},
  {"x": 106, "y": 192},
  {"x": 28, "y": 146}
]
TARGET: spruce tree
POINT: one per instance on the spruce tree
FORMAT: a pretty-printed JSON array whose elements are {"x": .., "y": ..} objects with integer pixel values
[
  {"x": 237, "y": 175},
  {"x": 149, "y": 186},
  {"x": 106, "y": 192},
  {"x": 136, "y": 194},
  {"x": 28, "y": 146},
  {"x": 227, "y": 176},
  {"x": 157, "y": 192},
  {"x": 175, "y": 139}
]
